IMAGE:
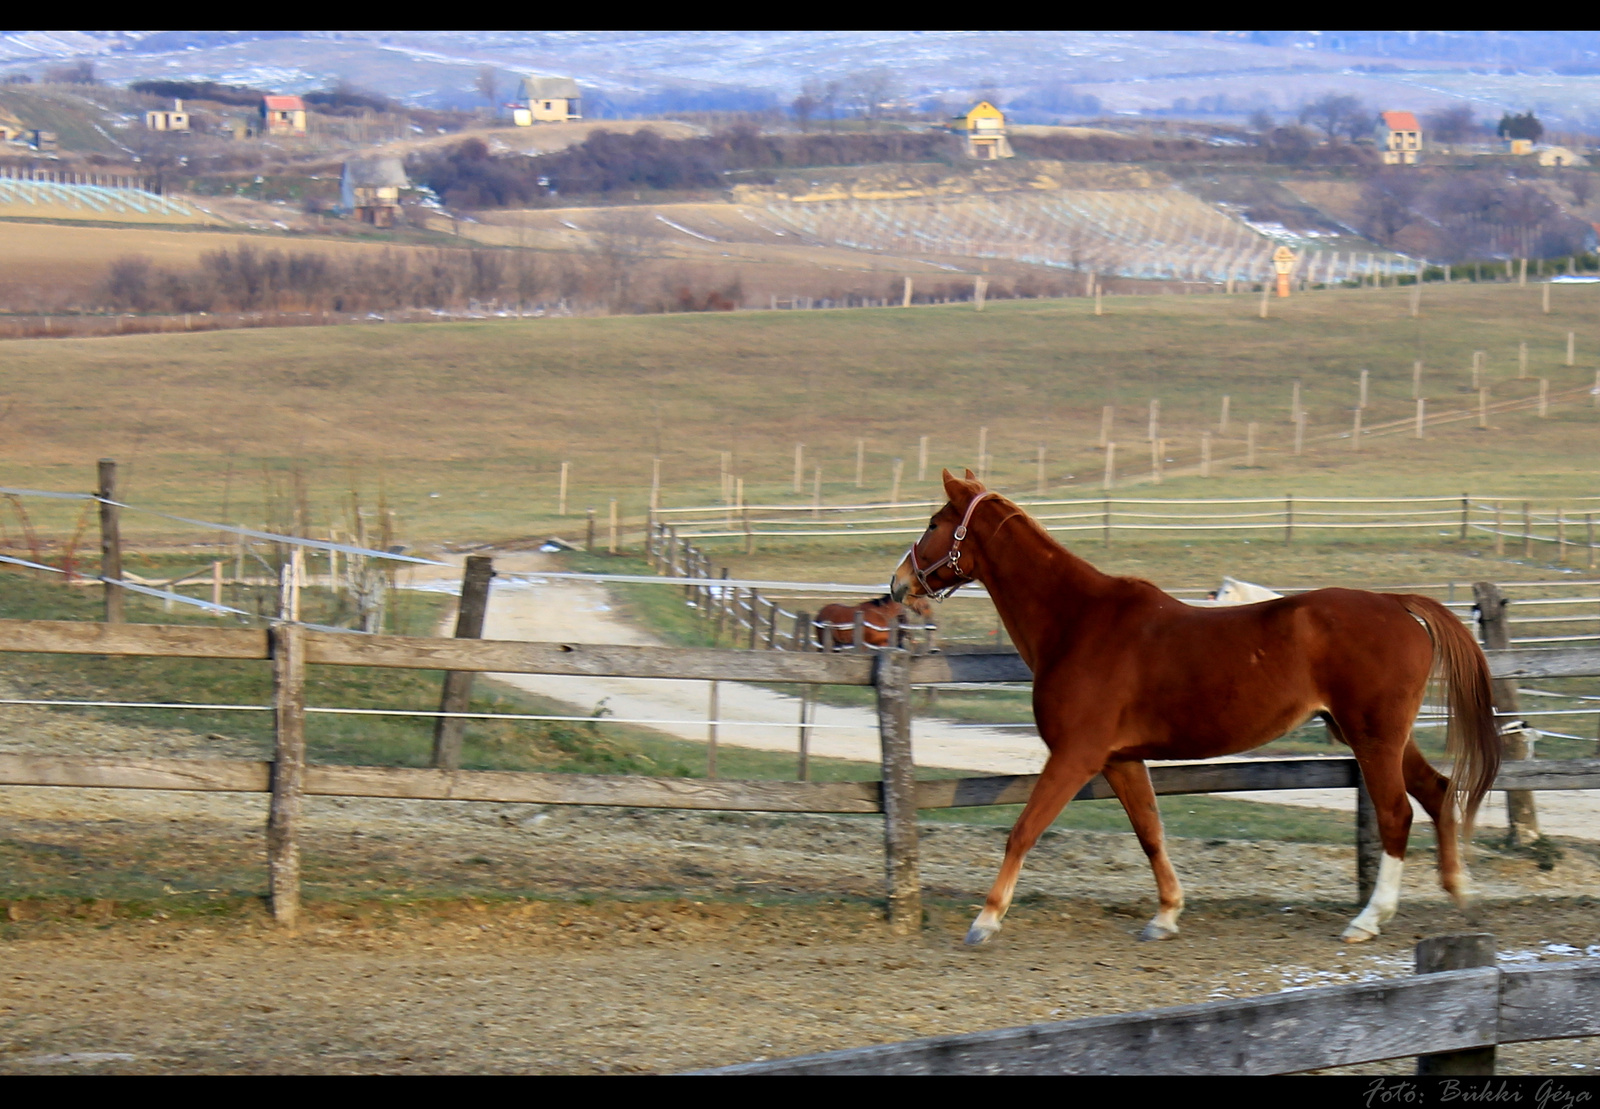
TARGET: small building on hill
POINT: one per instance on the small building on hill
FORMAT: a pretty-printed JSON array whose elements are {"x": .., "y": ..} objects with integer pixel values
[
  {"x": 370, "y": 188},
  {"x": 548, "y": 100},
  {"x": 283, "y": 115},
  {"x": 169, "y": 119},
  {"x": 1399, "y": 138},
  {"x": 1560, "y": 156},
  {"x": 983, "y": 126}
]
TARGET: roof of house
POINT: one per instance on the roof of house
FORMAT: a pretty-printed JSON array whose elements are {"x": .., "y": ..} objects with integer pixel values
[
  {"x": 1400, "y": 121},
  {"x": 283, "y": 104},
  {"x": 550, "y": 88},
  {"x": 375, "y": 173}
]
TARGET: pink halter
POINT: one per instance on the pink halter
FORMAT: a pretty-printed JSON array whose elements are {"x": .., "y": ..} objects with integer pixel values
[{"x": 952, "y": 558}]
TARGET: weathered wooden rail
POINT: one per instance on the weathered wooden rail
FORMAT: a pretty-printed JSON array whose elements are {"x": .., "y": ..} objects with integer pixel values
[
  {"x": 287, "y": 777},
  {"x": 1452, "y": 1019}
]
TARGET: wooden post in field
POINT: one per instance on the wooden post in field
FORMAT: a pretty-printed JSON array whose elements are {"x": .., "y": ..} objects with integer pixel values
[
  {"x": 1222, "y": 425},
  {"x": 801, "y": 639},
  {"x": 1106, "y": 414},
  {"x": 1466, "y": 515},
  {"x": 1038, "y": 486},
  {"x": 1205, "y": 454},
  {"x": 1547, "y": 298},
  {"x": 1105, "y": 518},
  {"x": 1250, "y": 445},
  {"x": 905, "y": 295},
  {"x": 1155, "y": 420},
  {"x": 1355, "y": 432},
  {"x": 799, "y": 467},
  {"x": 588, "y": 533},
  {"x": 561, "y": 497},
  {"x": 457, "y": 692},
  {"x": 1477, "y": 368},
  {"x": 1265, "y": 292},
  {"x": 861, "y": 461},
  {"x": 1111, "y": 466},
  {"x": 1483, "y": 407},
  {"x": 808, "y": 697},
  {"x": 922, "y": 458},
  {"x": 1544, "y": 397},
  {"x": 655, "y": 487},
  {"x": 288, "y": 771},
  {"x": 611, "y": 529},
  {"x": 711, "y": 732},
  {"x": 1369, "y": 844},
  {"x": 1522, "y": 272},
  {"x": 1522, "y": 818},
  {"x": 980, "y": 286},
  {"x": 110, "y": 541},
  {"x": 1294, "y": 404},
  {"x": 1571, "y": 351},
  {"x": 1365, "y": 375},
  {"x": 1527, "y": 530},
  {"x": 1522, "y": 361},
  {"x": 1422, "y": 409},
  {"x": 892, "y": 678},
  {"x": 1288, "y": 519},
  {"x": 894, "y": 484},
  {"x": 1097, "y": 309},
  {"x": 1459, "y": 952},
  {"x": 216, "y": 582},
  {"x": 1416, "y": 379}
]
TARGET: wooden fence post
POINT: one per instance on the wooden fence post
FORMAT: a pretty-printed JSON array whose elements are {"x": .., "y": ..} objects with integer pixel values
[
  {"x": 457, "y": 691},
  {"x": 1288, "y": 519},
  {"x": 1416, "y": 380},
  {"x": 1369, "y": 844},
  {"x": 288, "y": 771},
  {"x": 561, "y": 496},
  {"x": 712, "y": 712},
  {"x": 922, "y": 450},
  {"x": 1111, "y": 471},
  {"x": 1422, "y": 415},
  {"x": 1459, "y": 952},
  {"x": 1466, "y": 509},
  {"x": 1522, "y": 817},
  {"x": 1527, "y": 530},
  {"x": 799, "y": 467},
  {"x": 110, "y": 541},
  {"x": 892, "y": 678},
  {"x": 808, "y": 698},
  {"x": 588, "y": 534}
]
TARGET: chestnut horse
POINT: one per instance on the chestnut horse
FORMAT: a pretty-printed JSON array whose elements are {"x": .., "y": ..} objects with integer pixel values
[
  {"x": 875, "y": 617},
  {"x": 1123, "y": 673}
]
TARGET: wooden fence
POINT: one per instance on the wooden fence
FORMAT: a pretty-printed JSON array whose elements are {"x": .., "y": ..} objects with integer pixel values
[
  {"x": 898, "y": 795},
  {"x": 1451, "y": 1018}
]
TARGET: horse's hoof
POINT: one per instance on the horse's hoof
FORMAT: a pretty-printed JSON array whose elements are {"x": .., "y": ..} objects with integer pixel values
[
  {"x": 1154, "y": 931},
  {"x": 980, "y": 934},
  {"x": 1357, "y": 934}
]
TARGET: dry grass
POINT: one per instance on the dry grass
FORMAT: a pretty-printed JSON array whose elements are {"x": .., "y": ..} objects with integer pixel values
[{"x": 483, "y": 413}]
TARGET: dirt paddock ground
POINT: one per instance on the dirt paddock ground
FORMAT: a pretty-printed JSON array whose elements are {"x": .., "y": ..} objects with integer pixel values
[{"x": 456, "y": 937}]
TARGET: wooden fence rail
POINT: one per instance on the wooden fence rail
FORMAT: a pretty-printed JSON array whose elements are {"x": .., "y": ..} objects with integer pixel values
[
  {"x": 898, "y": 796},
  {"x": 1282, "y": 1033}
]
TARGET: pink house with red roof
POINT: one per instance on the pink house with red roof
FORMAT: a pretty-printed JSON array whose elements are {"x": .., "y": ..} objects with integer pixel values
[
  {"x": 1399, "y": 138},
  {"x": 283, "y": 115}
]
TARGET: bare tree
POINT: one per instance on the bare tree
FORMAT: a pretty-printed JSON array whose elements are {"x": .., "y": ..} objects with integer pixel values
[
  {"x": 828, "y": 101},
  {"x": 1453, "y": 124},
  {"x": 487, "y": 82},
  {"x": 1333, "y": 114},
  {"x": 805, "y": 105},
  {"x": 1260, "y": 121}
]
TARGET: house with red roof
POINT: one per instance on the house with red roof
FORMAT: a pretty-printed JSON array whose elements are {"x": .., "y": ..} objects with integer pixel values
[
  {"x": 283, "y": 115},
  {"x": 1399, "y": 138}
]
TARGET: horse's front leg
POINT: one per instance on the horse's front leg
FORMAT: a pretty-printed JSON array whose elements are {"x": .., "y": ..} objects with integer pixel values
[
  {"x": 1063, "y": 776},
  {"x": 1130, "y": 780}
]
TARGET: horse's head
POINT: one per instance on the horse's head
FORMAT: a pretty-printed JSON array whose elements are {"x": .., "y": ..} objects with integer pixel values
[{"x": 939, "y": 562}]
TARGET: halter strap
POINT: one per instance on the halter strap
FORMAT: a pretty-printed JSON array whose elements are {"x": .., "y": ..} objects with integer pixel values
[{"x": 952, "y": 557}]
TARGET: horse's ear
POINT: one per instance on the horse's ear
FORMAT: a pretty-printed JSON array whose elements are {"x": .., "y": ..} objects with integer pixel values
[
  {"x": 953, "y": 487},
  {"x": 971, "y": 476}
]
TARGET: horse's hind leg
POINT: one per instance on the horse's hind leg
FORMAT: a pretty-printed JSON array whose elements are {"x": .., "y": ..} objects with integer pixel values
[
  {"x": 1058, "y": 782},
  {"x": 1381, "y": 769},
  {"x": 1432, "y": 791},
  {"x": 1131, "y": 782}
]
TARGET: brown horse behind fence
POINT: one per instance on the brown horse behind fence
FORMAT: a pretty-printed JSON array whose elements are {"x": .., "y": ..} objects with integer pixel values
[
  {"x": 876, "y": 615},
  {"x": 1123, "y": 673}
]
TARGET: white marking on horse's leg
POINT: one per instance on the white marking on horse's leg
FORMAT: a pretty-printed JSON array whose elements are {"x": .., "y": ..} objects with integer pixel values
[
  {"x": 1164, "y": 925},
  {"x": 987, "y": 924},
  {"x": 1385, "y": 900}
]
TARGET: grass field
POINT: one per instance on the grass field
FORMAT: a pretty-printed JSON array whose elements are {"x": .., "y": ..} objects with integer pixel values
[{"x": 482, "y": 413}]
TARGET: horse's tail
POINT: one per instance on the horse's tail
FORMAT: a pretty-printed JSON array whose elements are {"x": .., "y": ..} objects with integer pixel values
[{"x": 1472, "y": 738}]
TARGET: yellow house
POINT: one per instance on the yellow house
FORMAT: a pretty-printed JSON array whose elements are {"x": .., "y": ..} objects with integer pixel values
[
  {"x": 550, "y": 100},
  {"x": 984, "y": 127},
  {"x": 1399, "y": 138},
  {"x": 175, "y": 119}
]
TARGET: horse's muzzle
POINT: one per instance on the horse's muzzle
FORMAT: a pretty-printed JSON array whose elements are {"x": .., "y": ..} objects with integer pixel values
[{"x": 901, "y": 580}]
